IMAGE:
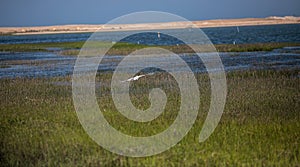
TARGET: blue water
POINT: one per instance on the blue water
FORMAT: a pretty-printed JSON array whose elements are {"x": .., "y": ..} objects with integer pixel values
[
  {"x": 51, "y": 64},
  {"x": 222, "y": 35}
]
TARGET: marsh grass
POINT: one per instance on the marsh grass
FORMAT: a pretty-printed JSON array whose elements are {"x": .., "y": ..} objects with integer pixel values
[
  {"x": 259, "y": 127},
  {"x": 125, "y": 49},
  {"x": 36, "y": 47},
  {"x": 4, "y": 66},
  {"x": 122, "y": 48}
]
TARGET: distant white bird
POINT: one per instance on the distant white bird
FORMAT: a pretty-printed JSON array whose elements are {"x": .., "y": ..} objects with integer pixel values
[
  {"x": 134, "y": 78},
  {"x": 158, "y": 35},
  {"x": 238, "y": 31}
]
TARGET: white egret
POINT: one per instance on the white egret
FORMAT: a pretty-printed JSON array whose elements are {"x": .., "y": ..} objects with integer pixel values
[
  {"x": 137, "y": 77},
  {"x": 134, "y": 78}
]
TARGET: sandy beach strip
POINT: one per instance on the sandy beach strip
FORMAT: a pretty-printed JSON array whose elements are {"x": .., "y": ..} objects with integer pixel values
[{"x": 148, "y": 26}]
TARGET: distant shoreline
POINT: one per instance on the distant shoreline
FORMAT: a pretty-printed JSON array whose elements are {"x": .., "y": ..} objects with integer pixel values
[{"x": 147, "y": 26}]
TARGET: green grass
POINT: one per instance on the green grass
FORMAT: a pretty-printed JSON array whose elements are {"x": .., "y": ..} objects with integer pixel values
[
  {"x": 39, "y": 46},
  {"x": 259, "y": 127},
  {"x": 72, "y": 48},
  {"x": 253, "y": 47},
  {"x": 4, "y": 66}
]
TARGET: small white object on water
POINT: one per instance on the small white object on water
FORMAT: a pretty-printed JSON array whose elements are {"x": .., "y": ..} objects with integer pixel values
[
  {"x": 158, "y": 35},
  {"x": 237, "y": 28}
]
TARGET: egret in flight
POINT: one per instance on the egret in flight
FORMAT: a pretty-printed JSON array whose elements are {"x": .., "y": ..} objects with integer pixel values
[
  {"x": 134, "y": 78},
  {"x": 137, "y": 77}
]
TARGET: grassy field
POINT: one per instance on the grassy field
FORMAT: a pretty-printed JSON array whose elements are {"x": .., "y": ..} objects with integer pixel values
[
  {"x": 259, "y": 127},
  {"x": 72, "y": 48}
]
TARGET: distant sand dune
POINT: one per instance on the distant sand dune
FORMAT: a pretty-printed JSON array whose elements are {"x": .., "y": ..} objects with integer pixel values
[{"x": 148, "y": 26}]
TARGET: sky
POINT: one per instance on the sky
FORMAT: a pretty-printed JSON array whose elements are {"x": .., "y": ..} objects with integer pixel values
[{"x": 60, "y": 12}]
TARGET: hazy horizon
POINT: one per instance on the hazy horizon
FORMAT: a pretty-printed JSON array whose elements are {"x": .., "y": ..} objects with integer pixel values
[{"x": 16, "y": 13}]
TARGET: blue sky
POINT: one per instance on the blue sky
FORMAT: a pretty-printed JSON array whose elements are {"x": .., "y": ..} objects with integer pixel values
[{"x": 57, "y": 12}]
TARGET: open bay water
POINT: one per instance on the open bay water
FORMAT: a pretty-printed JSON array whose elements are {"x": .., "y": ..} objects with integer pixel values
[
  {"x": 51, "y": 64},
  {"x": 220, "y": 35}
]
